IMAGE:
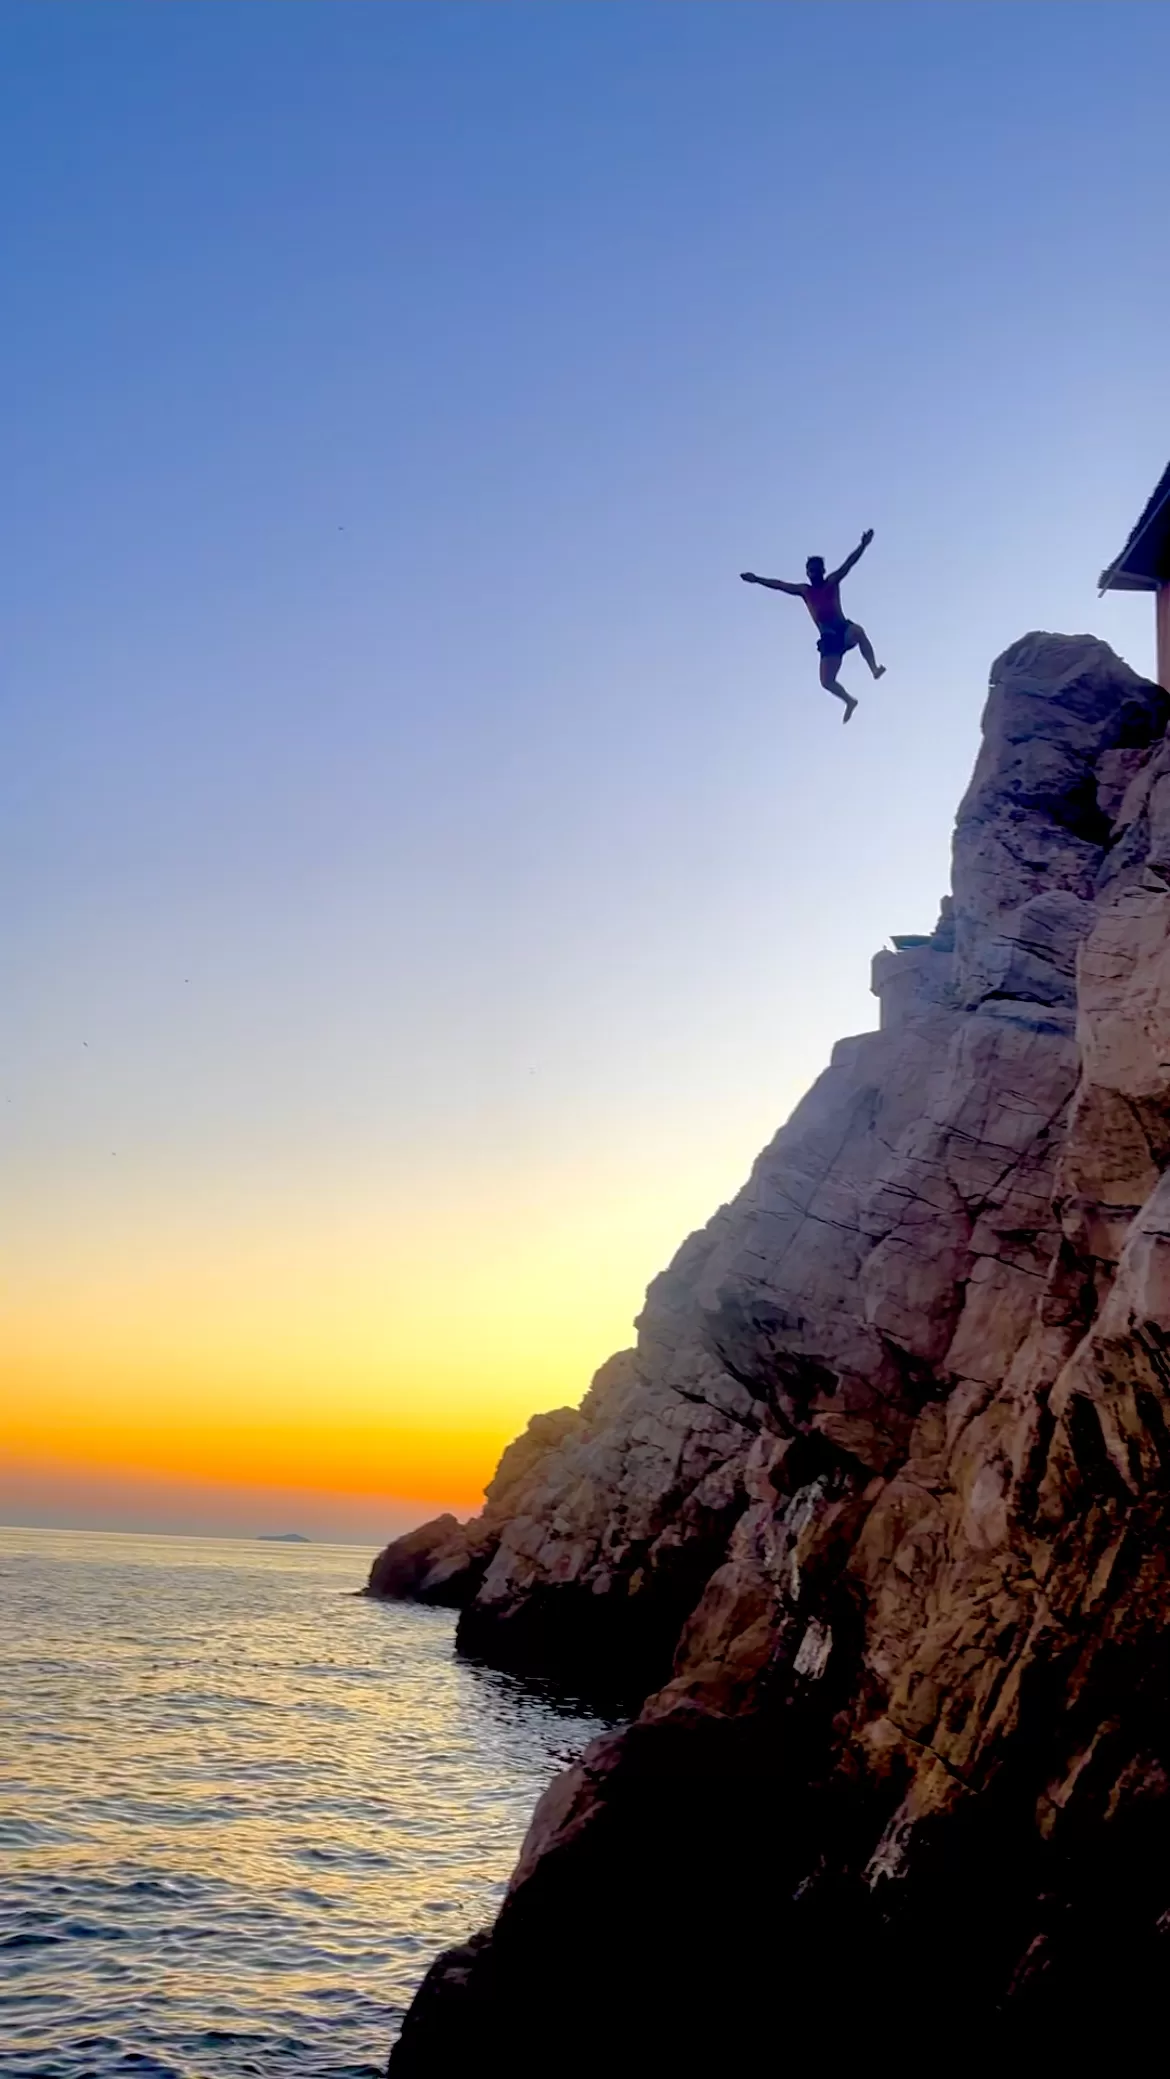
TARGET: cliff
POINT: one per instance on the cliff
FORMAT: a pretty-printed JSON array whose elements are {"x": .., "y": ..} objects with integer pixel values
[{"x": 886, "y": 1482}]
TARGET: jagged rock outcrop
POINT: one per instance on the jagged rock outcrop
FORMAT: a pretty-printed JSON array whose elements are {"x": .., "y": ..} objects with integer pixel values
[
  {"x": 602, "y": 1523},
  {"x": 908, "y": 1777},
  {"x": 444, "y": 1561},
  {"x": 432, "y": 1564},
  {"x": 825, "y": 1296}
]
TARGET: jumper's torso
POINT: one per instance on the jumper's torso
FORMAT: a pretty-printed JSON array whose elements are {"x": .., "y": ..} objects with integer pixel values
[{"x": 824, "y": 602}]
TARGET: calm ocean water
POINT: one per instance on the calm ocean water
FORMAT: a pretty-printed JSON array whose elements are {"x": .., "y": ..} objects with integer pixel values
[{"x": 240, "y": 1810}]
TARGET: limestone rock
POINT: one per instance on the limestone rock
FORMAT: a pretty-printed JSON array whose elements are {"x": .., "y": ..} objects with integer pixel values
[
  {"x": 913, "y": 1755},
  {"x": 890, "y": 1184},
  {"x": 444, "y": 1561},
  {"x": 438, "y": 1563}
]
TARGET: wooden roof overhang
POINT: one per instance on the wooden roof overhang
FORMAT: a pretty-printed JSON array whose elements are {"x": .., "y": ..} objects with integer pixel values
[{"x": 1144, "y": 562}]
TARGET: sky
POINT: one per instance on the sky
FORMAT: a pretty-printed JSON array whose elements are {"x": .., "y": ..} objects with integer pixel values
[{"x": 429, "y": 876}]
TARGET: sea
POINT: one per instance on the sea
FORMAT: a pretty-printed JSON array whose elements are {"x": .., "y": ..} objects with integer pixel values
[{"x": 241, "y": 1806}]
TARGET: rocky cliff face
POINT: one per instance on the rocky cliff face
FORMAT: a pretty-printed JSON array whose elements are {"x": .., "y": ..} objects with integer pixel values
[{"x": 889, "y": 1471}]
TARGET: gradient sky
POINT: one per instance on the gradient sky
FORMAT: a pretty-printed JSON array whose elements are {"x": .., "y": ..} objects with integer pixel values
[{"x": 429, "y": 875}]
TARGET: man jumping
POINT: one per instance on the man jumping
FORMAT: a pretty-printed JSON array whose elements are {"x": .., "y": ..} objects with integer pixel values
[{"x": 822, "y": 596}]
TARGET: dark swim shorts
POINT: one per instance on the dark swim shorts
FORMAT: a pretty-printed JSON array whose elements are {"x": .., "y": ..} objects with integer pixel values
[{"x": 836, "y": 638}]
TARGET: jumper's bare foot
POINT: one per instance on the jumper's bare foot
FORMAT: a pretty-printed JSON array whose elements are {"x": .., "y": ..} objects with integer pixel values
[
  {"x": 879, "y": 671},
  {"x": 850, "y": 704}
]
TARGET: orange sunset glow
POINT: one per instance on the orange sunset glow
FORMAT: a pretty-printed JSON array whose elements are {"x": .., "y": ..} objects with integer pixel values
[{"x": 354, "y": 1353}]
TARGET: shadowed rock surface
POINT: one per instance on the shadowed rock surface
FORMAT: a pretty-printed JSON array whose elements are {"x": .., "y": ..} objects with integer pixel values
[{"x": 892, "y": 1457}]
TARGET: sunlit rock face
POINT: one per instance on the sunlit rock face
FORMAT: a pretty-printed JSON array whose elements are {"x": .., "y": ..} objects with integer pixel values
[{"x": 893, "y": 1459}]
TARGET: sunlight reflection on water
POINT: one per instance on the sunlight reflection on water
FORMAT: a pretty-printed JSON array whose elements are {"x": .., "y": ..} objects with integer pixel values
[{"x": 240, "y": 1808}]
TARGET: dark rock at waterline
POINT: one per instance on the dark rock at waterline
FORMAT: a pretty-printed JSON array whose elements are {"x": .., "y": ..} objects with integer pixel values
[{"x": 437, "y": 1563}]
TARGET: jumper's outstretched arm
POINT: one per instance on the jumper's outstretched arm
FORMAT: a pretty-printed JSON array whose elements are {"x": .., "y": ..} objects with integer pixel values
[
  {"x": 774, "y": 584},
  {"x": 837, "y": 575}
]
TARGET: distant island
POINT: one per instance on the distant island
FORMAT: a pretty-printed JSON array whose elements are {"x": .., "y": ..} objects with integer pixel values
[{"x": 282, "y": 1537}]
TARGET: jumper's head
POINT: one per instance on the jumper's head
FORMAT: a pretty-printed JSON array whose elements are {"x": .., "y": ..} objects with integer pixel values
[{"x": 816, "y": 570}]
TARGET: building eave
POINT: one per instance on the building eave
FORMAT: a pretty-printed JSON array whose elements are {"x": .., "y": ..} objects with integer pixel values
[
  {"x": 1144, "y": 562},
  {"x": 1117, "y": 579}
]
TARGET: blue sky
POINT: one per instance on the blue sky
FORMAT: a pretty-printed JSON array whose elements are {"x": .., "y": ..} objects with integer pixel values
[{"x": 430, "y": 874}]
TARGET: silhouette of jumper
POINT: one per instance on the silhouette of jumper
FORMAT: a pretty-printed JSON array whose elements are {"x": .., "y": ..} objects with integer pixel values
[{"x": 822, "y": 596}]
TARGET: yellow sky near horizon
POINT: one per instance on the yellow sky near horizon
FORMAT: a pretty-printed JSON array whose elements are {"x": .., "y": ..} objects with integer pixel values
[
  {"x": 297, "y": 1371},
  {"x": 383, "y": 1342}
]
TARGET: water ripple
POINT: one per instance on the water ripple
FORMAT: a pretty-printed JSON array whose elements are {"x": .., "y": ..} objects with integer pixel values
[{"x": 241, "y": 1808}]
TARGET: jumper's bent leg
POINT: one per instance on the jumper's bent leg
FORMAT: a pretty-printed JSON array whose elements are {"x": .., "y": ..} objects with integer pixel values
[
  {"x": 830, "y": 666},
  {"x": 866, "y": 647}
]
